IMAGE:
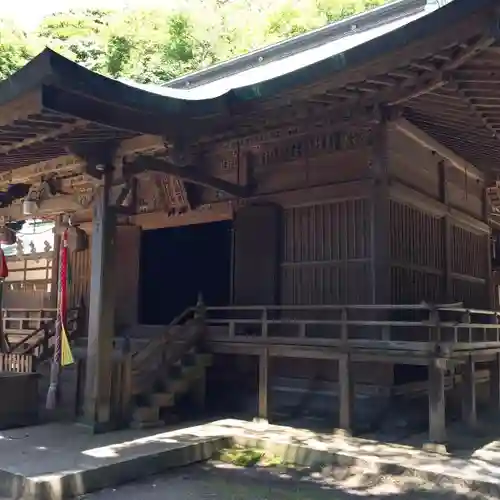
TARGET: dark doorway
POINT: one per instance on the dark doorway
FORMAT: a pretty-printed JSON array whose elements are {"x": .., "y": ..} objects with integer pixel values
[{"x": 178, "y": 263}]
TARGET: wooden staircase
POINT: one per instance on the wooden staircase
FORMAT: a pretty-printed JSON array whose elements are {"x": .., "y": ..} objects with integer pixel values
[
  {"x": 40, "y": 342},
  {"x": 167, "y": 368}
]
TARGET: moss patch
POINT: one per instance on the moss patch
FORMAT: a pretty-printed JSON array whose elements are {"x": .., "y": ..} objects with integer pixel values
[{"x": 248, "y": 457}]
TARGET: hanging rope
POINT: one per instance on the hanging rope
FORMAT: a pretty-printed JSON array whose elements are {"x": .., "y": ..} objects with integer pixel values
[{"x": 55, "y": 367}]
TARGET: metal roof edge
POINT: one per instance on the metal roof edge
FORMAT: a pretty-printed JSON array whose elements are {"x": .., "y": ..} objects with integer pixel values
[{"x": 361, "y": 22}]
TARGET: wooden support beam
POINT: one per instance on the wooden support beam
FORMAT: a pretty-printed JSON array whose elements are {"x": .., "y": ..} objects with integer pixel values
[
  {"x": 446, "y": 233},
  {"x": 193, "y": 174},
  {"x": 468, "y": 393},
  {"x": 380, "y": 216},
  {"x": 263, "y": 409},
  {"x": 437, "y": 402},
  {"x": 346, "y": 393},
  {"x": 101, "y": 322},
  {"x": 494, "y": 368}
]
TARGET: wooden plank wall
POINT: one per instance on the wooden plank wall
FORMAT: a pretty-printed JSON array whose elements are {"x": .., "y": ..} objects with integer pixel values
[
  {"x": 436, "y": 193},
  {"x": 79, "y": 288},
  {"x": 326, "y": 253},
  {"x": 291, "y": 159},
  {"x": 325, "y": 239},
  {"x": 127, "y": 271}
]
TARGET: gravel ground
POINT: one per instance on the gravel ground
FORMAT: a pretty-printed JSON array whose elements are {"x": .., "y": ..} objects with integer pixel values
[{"x": 225, "y": 482}]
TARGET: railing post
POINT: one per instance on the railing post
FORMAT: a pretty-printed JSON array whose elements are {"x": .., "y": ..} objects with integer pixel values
[
  {"x": 200, "y": 308},
  {"x": 468, "y": 393},
  {"x": 466, "y": 320},
  {"x": 126, "y": 388},
  {"x": 435, "y": 329},
  {"x": 494, "y": 368},
  {"x": 437, "y": 402},
  {"x": 345, "y": 381},
  {"x": 264, "y": 324},
  {"x": 344, "y": 329},
  {"x": 264, "y": 385},
  {"x": 45, "y": 343}
]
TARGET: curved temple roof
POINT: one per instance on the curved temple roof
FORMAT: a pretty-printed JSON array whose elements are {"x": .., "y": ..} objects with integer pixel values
[
  {"x": 298, "y": 69},
  {"x": 52, "y": 102}
]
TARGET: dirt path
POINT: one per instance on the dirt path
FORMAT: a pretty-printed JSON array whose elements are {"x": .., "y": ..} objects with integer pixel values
[{"x": 222, "y": 482}]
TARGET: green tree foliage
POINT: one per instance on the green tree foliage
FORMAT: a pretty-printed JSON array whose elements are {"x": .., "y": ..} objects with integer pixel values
[
  {"x": 15, "y": 48},
  {"x": 156, "y": 46}
]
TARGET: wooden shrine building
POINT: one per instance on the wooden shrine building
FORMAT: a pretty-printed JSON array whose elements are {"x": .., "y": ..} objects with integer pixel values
[{"x": 352, "y": 173}]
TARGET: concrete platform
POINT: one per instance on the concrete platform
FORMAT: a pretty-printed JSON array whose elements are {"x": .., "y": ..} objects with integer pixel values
[{"x": 57, "y": 461}]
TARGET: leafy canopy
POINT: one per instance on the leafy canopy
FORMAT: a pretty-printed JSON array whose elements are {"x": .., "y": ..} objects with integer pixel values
[{"x": 154, "y": 46}]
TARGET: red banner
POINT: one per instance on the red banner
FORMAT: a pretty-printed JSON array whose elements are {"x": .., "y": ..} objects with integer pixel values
[
  {"x": 63, "y": 276},
  {"x": 4, "y": 270}
]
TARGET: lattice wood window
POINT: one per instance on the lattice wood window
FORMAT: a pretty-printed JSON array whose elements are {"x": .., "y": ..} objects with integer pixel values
[{"x": 30, "y": 273}]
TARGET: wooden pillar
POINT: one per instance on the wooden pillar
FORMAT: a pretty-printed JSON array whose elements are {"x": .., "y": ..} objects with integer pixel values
[
  {"x": 380, "y": 220},
  {"x": 494, "y": 367},
  {"x": 264, "y": 385},
  {"x": 437, "y": 402},
  {"x": 346, "y": 393},
  {"x": 446, "y": 234},
  {"x": 490, "y": 284},
  {"x": 101, "y": 327},
  {"x": 468, "y": 393}
]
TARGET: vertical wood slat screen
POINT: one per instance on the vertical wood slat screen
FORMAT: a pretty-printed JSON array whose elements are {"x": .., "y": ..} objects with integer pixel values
[
  {"x": 417, "y": 255},
  {"x": 468, "y": 265},
  {"x": 326, "y": 253},
  {"x": 418, "y": 260},
  {"x": 79, "y": 287}
]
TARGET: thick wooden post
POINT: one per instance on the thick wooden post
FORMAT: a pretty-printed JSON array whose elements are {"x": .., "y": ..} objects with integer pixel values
[
  {"x": 264, "y": 385},
  {"x": 495, "y": 383},
  {"x": 346, "y": 393},
  {"x": 446, "y": 233},
  {"x": 437, "y": 402},
  {"x": 468, "y": 393},
  {"x": 380, "y": 220},
  {"x": 101, "y": 327},
  {"x": 490, "y": 285}
]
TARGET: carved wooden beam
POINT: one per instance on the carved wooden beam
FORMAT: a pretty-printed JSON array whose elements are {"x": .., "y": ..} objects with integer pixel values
[
  {"x": 52, "y": 206},
  {"x": 191, "y": 174}
]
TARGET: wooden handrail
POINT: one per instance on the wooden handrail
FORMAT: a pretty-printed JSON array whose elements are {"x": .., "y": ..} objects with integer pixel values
[
  {"x": 162, "y": 352},
  {"x": 44, "y": 328},
  {"x": 458, "y": 306},
  {"x": 482, "y": 328},
  {"x": 151, "y": 347},
  {"x": 48, "y": 330}
]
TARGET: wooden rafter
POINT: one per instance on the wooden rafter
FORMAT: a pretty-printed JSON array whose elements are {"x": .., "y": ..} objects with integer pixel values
[
  {"x": 473, "y": 107},
  {"x": 364, "y": 105}
]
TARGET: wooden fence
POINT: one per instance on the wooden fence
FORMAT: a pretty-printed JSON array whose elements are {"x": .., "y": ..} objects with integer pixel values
[{"x": 17, "y": 363}]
